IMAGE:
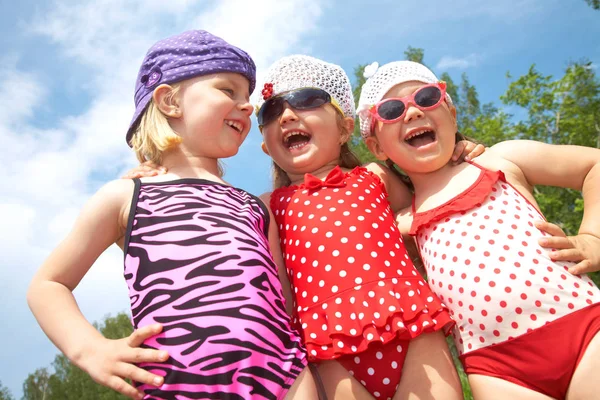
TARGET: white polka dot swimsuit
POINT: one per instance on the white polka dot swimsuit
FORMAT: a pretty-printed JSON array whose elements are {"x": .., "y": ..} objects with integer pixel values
[
  {"x": 352, "y": 279},
  {"x": 482, "y": 259}
]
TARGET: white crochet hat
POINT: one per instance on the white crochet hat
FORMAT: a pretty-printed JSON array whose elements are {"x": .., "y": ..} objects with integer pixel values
[
  {"x": 382, "y": 79},
  {"x": 298, "y": 71}
]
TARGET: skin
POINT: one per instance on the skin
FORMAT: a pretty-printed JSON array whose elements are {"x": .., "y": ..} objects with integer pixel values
[
  {"x": 525, "y": 164},
  {"x": 201, "y": 113}
]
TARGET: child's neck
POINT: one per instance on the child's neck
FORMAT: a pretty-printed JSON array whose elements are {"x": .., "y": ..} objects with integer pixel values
[
  {"x": 184, "y": 165},
  {"x": 321, "y": 173},
  {"x": 430, "y": 183}
]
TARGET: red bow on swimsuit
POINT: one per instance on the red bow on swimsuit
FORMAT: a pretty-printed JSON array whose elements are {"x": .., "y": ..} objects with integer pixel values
[{"x": 334, "y": 179}]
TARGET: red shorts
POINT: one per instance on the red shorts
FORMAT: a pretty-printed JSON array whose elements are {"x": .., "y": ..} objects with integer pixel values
[
  {"x": 544, "y": 359},
  {"x": 379, "y": 368}
]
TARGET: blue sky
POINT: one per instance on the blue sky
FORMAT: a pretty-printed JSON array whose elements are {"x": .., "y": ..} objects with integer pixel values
[{"x": 66, "y": 91}]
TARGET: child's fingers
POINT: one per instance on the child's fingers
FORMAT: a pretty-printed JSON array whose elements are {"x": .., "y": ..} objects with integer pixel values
[
  {"x": 550, "y": 228},
  {"x": 138, "y": 374},
  {"x": 573, "y": 255},
  {"x": 582, "y": 267},
  {"x": 139, "y": 355},
  {"x": 139, "y": 335},
  {"x": 555, "y": 242},
  {"x": 477, "y": 151},
  {"x": 458, "y": 150},
  {"x": 119, "y": 385}
]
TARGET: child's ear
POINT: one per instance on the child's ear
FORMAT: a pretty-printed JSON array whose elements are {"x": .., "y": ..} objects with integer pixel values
[
  {"x": 452, "y": 109},
  {"x": 264, "y": 148},
  {"x": 374, "y": 147},
  {"x": 348, "y": 124},
  {"x": 166, "y": 102}
]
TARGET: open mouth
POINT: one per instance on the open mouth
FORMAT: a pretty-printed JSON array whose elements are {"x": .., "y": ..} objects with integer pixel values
[
  {"x": 421, "y": 138},
  {"x": 235, "y": 125},
  {"x": 296, "y": 140}
]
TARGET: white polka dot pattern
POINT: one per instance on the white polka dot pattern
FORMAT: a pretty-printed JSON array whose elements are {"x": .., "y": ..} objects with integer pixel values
[{"x": 347, "y": 298}]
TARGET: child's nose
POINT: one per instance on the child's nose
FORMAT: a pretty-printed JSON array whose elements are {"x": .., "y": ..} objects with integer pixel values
[
  {"x": 288, "y": 114},
  {"x": 246, "y": 107},
  {"x": 412, "y": 112}
]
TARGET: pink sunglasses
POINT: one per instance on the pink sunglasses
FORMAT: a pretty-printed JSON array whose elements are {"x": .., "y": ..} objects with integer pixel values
[{"x": 425, "y": 98}]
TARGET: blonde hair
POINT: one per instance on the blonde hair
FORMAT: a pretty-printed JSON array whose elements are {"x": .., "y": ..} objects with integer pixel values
[
  {"x": 347, "y": 158},
  {"x": 154, "y": 135}
]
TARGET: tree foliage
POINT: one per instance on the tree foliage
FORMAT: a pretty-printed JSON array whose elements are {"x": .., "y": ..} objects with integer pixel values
[
  {"x": 68, "y": 382},
  {"x": 5, "y": 394},
  {"x": 595, "y": 4}
]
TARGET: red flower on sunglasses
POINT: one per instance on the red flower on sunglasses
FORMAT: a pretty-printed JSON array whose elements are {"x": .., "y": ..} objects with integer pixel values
[{"x": 267, "y": 91}]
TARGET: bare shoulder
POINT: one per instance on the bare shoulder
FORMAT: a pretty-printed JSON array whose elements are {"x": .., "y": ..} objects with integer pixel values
[
  {"x": 404, "y": 219},
  {"x": 115, "y": 198},
  {"x": 266, "y": 197},
  {"x": 377, "y": 169},
  {"x": 494, "y": 159}
]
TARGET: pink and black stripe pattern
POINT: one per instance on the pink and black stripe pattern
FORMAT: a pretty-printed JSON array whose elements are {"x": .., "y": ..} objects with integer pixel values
[{"x": 197, "y": 260}]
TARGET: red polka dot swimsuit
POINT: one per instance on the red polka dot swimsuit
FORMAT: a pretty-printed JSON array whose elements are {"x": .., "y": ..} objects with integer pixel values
[
  {"x": 482, "y": 259},
  {"x": 355, "y": 287}
]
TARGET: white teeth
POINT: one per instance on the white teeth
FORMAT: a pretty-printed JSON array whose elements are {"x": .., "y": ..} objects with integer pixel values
[
  {"x": 293, "y": 133},
  {"x": 235, "y": 125},
  {"x": 415, "y": 134}
]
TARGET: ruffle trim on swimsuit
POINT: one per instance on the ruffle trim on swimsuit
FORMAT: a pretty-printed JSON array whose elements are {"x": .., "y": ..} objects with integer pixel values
[
  {"x": 472, "y": 197},
  {"x": 378, "y": 311}
]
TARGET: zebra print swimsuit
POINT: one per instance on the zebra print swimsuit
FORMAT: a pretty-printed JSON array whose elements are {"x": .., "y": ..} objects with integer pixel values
[{"x": 197, "y": 260}]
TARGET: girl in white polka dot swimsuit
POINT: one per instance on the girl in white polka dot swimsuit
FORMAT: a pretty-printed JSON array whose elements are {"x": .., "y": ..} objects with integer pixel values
[
  {"x": 525, "y": 326},
  {"x": 358, "y": 299}
]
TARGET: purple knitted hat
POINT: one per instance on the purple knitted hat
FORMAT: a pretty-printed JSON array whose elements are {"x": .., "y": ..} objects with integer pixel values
[{"x": 185, "y": 56}]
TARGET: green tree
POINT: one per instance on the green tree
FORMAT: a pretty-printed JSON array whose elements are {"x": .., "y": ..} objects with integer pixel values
[
  {"x": 36, "y": 386},
  {"x": 414, "y": 54},
  {"x": 69, "y": 382},
  {"x": 559, "y": 111},
  {"x": 595, "y": 4},
  {"x": 5, "y": 394}
]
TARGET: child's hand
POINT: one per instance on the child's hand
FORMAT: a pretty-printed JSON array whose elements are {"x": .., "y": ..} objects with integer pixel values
[
  {"x": 584, "y": 249},
  {"x": 145, "y": 169},
  {"x": 466, "y": 150},
  {"x": 112, "y": 361}
]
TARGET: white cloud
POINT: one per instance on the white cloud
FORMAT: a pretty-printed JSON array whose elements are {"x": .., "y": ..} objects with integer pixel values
[
  {"x": 49, "y": 172},
  {"x": 449, "y": 62}
]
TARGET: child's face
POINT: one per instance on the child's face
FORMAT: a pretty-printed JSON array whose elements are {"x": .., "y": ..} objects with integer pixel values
[
  {"x": 215, "y": 114},
  {"x": 421, "y": 141},
  {"x": 302, "y": 141}
]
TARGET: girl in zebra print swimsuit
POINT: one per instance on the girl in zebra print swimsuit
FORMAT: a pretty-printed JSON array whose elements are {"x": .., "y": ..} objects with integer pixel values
[{"x": 197, "y": 258}]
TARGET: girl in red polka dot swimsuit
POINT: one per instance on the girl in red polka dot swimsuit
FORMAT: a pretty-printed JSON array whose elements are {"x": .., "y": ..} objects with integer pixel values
[
  {"x": 358, "y": 298},
  {"x": 525, "y": 326}
]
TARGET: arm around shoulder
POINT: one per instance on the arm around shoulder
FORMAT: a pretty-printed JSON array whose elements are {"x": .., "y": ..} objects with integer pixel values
[{"x": 399, "y": 195}]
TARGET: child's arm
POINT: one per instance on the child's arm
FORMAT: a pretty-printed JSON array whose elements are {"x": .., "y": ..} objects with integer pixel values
[
  {"x": 53, "y": 304},
  {"x": 399, "y": 194},
  {"x": 574, "y": 167},
  {"x": 278, "y": 257}
]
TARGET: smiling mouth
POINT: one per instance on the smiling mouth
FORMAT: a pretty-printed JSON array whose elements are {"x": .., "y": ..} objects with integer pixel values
[
  {"x": 235, "y": 125},
  {"x": 296, "y": 140},
  {"x": 421, "y": 138}
]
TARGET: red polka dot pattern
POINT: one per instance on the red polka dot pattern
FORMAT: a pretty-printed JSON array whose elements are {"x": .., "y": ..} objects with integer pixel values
[
  {"x": 352, "y": 279},
  {"x": 515, "y": 287}
]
